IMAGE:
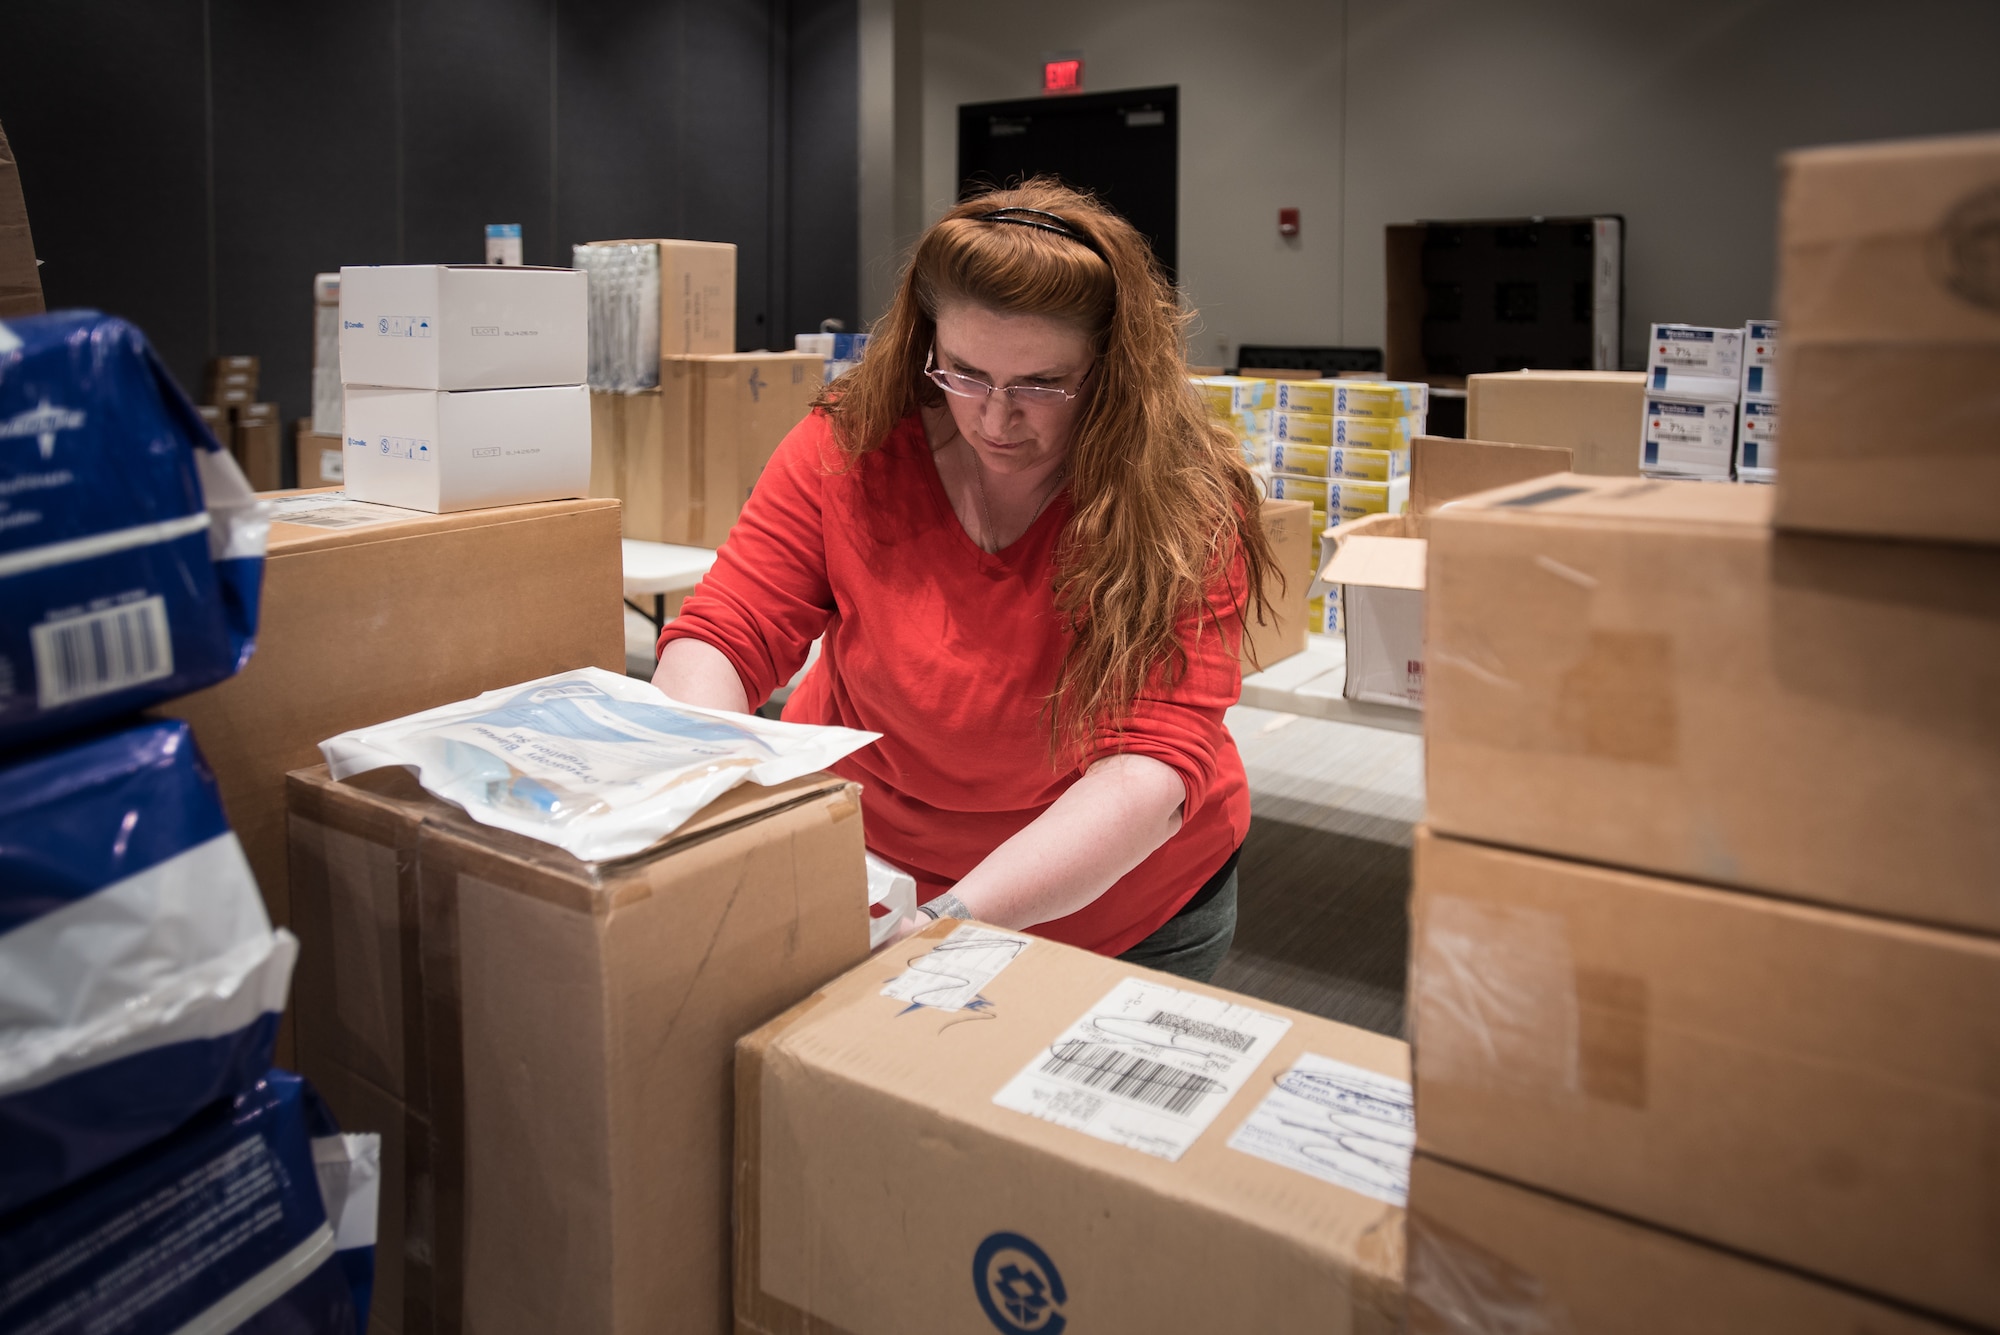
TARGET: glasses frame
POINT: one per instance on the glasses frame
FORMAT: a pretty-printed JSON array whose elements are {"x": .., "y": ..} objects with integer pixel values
[{"x": 1020, "y": 396}]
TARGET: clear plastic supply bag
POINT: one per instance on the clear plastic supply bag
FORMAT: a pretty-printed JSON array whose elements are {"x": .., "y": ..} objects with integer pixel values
[{"x": 600, "y": 765}]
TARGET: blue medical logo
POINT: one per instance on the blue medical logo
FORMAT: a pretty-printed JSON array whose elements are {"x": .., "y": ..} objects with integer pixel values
[{"x": 1019, "y": 1287}]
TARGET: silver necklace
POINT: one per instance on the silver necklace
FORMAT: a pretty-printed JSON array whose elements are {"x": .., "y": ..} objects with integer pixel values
[{"x": 986, "y": 509}]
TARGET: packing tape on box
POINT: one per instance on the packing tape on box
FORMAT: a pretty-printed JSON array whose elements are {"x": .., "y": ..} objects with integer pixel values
[
  {"x": 1500, "y": 1001},
  {"x": 1456, "y": 1287}
]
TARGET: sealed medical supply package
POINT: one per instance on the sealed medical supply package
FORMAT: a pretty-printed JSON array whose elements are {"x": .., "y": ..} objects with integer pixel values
[
  {"x": 131, "y": 547},
  {"x": 598, "y": 764},
  {"x": 140, "y": 978}
]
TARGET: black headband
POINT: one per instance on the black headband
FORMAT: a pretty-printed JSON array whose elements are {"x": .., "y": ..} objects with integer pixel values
[{"x": 1047, "y": 222}]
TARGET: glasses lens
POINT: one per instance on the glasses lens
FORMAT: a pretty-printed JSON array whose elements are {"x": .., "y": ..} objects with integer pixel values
[
  {"x": 1039, "y": 393},
  {"x": 962, "y": 385}
]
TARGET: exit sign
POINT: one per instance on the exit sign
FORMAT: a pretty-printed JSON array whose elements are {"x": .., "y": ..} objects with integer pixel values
[{"x": 1062, "y": 72}]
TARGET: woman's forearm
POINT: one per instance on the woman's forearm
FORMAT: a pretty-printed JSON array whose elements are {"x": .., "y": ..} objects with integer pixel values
[
  {"x": 1109, "y": 821},
  {"x": 697, "y": 673}
]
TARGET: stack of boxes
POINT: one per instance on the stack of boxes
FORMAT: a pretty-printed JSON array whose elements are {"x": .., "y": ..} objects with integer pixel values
[
  {"x": 1705, "y": 941},
  {"x": 246, "y": 428},
  {"x": 319, "y": 456},
  {"x": 681, "y": 425},
  {"x": 463, "y": 385},
  {"x": 1711, "y": 408}
]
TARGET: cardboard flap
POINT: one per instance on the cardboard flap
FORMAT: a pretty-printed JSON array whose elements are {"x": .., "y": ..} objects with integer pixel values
[
  {"x": 1379, "y": 562},
  {"x": 1443, "y": 470}
]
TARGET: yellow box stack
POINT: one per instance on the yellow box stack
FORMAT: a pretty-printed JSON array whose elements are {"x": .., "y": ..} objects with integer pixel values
[{"x": 1704, "y": 934}]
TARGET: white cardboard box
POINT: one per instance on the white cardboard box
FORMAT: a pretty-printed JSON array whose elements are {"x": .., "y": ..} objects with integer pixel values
[
  {"x": 442, "y": 451},
  {"x": 1757, "y": 440},
  {"x": 1687, "y": 361},
  {"x": 1690, "y": 438},
  {"x": 1760, "y": 359},
  {"x": 462, "y": 326}
]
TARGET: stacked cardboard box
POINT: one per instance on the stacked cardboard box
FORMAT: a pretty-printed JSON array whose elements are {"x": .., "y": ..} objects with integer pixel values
[
  {"x": 546, "y": 1043},
  {"x": 1705, "y": 934},
  {"x": 1694, "y": 379},
  {"x": 1757, "y": 414},
  {"x": 1588, "y": 413},
  {"x": 326, "y": 392},
  {"x": 1011, "y": 1134},
  {"x": 464, "y": 385},
  {"x": 318, "y": 459}
]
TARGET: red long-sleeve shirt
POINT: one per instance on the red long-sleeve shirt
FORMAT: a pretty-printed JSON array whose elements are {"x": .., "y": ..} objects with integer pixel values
[{"x": 950, "y": 652}]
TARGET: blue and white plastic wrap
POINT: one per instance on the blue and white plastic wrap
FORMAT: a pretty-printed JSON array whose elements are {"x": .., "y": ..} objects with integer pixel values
[
  {"x": 131, "y": 547},
  {"x": 140, "y": 978},
  {"x": 252, "y": 1217}
]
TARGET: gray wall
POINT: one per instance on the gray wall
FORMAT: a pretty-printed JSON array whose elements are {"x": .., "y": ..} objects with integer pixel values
[
  {"x": 1367, "y": 112},
  {"x": 190, "y": 164}
]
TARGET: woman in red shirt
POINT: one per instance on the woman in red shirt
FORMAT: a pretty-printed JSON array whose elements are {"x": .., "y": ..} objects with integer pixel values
[{"x": 1029, "y": 550}]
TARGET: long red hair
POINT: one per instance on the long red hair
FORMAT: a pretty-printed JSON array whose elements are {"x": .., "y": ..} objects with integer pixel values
[{"x": 1162, "y": 501}]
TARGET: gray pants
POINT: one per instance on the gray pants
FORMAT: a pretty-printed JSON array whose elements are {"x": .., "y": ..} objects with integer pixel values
[{"x": 1192, "y": 945}]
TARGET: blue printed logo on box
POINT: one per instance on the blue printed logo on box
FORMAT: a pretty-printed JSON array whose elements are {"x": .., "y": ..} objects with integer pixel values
[{"x": 1019, "y": 1287}]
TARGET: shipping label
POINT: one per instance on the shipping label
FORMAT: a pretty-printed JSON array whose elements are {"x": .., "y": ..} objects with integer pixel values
[{"x": 1149, "y": 1067}]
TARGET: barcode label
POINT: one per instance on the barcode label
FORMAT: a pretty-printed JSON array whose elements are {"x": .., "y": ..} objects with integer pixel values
[
  {"x": 1214, "y": 1033},
  {"x": 95, "y": 653},
  {"x": 1148, "y": 1067},
  {"x": 1125, "y": 1076}
]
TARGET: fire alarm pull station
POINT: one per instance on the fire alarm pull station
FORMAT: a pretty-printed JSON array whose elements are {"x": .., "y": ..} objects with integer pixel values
[{"x": 1288, "y": 222}]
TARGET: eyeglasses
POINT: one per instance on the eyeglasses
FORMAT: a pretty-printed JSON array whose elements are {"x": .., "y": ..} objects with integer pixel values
[{"x": 951, "y": 382}]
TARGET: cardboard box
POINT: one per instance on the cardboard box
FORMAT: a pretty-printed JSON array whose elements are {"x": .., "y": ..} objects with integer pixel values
[
  {"x": 1315, "y": 429},
  {"x": 1595, "y": 415},
  {"x": 684, "y": 457},
  {"x": 1228, "y": 395},
  {"x": 1339, "y": 461},
  {"x": 1644, "y": 674},
  {"x": 1487, "y": 1255},
  {"x": 1692, "y": 438},
  {"x": 1800, "y": 1084},
  {"x": 556, "y": 1037},
  {"x": 1685, "y": 361},
  {"x": 1378, "y": 563},
  {"x": 370, "y": 613},
  {"x": 1289, "y": 529},
  {"x": 326, "y": 395},
  {"x": 20, "y": 279},
  {"x": 697, "y": 295},
  {"x": 231, "y": 397},
  {"x": 216, "y": 419},
  {"x": 1760, "y": 359},
  {"x": 470, "y": 449},
  {"x": 1353, "y": 398},
  {"x": 1886, "y": 279},
  {"x": 461, "y": 326},
  {"x": 320, "y": 459},
  {"x": 256, "y": 438},
  {"x": 1341, "y": 499},
  {"x": 888, "y": 1182},
  {"x": 229, "y": 373},
  {"x": 1757, "y": 440}
]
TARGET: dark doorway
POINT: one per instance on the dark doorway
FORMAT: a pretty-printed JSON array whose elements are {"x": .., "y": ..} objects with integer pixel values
[{"x": 1122, "y": 146}]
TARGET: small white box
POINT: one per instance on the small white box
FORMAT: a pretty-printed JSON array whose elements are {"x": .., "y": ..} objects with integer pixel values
[
  {"x": 1692, "y": 362},
  {"x": 1760, "y": 359},
  {"x": 1687, "y": 437},
  {"x": 440, "y": 451},
  {"x": 463, "y": 326},
  {"x": 1757, "y": 440}
]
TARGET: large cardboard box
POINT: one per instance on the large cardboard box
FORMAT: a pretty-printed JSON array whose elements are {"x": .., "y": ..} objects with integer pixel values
[
  {"x": 1288, "y": 528},
  {"x": 256, "y": 438},
  {"x": 467, "y": 449},
  {"x": 554, "y": 1039},
  {"x": 20, "y": 280},
  {"x": 1802, "y": 1084},
  {"x": 1378, "y": 563},
  {"x": 1488, "y": 1255},
  {"x": 908, "y": 1160},
  {"x": 697, "y": 295},
  {"x": 1645, "y": 674},
  {"x": 1595, "y": 415},
  {"x": 1890, "y": 303},
  {"x": 684, "y": 457},
  {"x": 319, "y": 458},
  {"x": 370, "y": 613},
  {"x": 461, "y": 326}
]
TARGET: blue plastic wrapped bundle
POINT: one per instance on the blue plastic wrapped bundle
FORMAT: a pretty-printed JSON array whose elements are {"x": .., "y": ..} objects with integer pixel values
[
  {"x": 140, "y": 978},
  {"x": 131, "y": 548},
  {"x": 255, "y": 1216}
]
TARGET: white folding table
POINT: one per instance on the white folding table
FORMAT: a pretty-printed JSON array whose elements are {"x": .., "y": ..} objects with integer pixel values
[{"x": 656, "y": 569}]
